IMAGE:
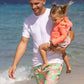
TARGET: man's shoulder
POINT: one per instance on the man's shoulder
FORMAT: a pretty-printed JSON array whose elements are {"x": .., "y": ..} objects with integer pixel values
[
  {"x": 29, "y": 18},
  {"x": 48, "y": 10}
]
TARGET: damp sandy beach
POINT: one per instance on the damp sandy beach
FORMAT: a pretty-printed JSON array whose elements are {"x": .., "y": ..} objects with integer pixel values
[{"x": 75, "y": 77}]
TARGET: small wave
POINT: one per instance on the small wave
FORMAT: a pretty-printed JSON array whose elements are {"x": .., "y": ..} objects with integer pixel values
[{"x": 21, "y": 74}]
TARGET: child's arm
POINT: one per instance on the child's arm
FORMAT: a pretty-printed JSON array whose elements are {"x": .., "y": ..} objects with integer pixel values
[
  {"x": 71, "y": 35},
  {"x": 62, "y": 29}
]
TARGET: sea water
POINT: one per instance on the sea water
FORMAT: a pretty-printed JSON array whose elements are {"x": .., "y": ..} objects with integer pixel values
[{"x": 11, "y": 25}]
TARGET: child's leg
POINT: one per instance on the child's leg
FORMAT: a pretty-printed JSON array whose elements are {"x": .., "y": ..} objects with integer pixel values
[
  {"x": 66, "y": 60},
  {"x": 65, "y": 44},
  {"x": 43, "y": 48}
]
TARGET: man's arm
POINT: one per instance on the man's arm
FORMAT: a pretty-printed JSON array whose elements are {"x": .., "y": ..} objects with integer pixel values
[{"x": 21, "y": 48}]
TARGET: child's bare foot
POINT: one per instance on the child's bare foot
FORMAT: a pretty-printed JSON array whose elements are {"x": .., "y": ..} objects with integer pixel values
[
  {"x": 44, "y": 65},
  {"x": 68, "y": 70}
]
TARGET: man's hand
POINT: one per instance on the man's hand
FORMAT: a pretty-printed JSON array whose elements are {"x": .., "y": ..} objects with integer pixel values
[
  {"x": 12, "y": 72},
  {"x": 53, "y": 48}
]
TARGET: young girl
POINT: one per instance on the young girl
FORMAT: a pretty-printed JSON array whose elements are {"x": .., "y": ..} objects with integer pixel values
[{"x": 59, "y": 36}]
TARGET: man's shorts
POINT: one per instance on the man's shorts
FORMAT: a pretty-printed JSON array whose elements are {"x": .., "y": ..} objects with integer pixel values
[{"x": 49, "y": 75}]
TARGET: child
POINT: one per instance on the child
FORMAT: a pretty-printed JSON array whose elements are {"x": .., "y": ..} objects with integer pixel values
[{"x": 59, "y": 35}]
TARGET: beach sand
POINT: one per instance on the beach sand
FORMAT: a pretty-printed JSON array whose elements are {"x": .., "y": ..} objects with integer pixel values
[{"x": 75, "y": 77}]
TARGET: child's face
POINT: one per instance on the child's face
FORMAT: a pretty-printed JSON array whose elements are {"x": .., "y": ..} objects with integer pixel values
[{"x": 56, "y": 19}]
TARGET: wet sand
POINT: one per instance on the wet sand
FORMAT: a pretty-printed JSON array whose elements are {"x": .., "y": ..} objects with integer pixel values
[{"x": 75, "y": 77}]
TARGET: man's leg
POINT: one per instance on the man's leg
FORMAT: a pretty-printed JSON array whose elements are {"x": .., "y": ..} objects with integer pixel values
[
  {"x": 39, "y": 76},
  {"x": 53, "y": 73}
]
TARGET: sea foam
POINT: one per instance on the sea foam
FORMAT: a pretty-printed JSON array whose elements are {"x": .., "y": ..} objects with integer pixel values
[{"x": 21, "y": 74}]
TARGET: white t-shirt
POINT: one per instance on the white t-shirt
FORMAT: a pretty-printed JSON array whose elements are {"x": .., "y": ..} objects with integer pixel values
[{"x": 40, "y": 27}]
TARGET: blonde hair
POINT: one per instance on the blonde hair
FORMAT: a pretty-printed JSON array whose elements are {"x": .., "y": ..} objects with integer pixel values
[{"x": 60, "y": 10}]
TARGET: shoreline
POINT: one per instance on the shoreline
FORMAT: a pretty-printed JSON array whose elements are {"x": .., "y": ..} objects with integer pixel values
[{"x": 75, "y": 77}]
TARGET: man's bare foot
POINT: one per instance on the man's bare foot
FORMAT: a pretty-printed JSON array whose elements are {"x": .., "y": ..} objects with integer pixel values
[
  {"x": 44, "y": 65},
  {"x": 68, "y": 70}
]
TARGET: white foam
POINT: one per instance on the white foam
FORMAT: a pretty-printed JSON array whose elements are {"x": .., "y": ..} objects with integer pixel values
[{"x": 22, "y": 73}]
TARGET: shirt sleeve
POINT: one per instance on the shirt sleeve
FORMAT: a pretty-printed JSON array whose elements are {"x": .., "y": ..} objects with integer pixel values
[
  {"x": 63, "y": 35},
  {"x": 69, "y": 22},
  {"x": 26, "y": 30}
]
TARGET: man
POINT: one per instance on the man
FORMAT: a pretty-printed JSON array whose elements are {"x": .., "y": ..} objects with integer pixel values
[{"x": 39, "y": 26}]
